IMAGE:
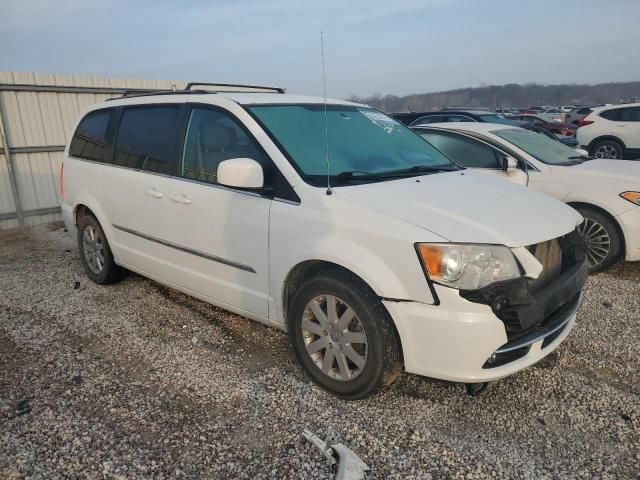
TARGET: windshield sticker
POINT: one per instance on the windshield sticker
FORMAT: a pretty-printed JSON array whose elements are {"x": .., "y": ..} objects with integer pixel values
[{"x": 381, "y": 120}]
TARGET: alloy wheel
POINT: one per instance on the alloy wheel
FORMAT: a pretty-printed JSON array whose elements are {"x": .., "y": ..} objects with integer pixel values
[
  {"x": 334, "y": 337},
  {"x": 597, "y": 240},
  {"x": 93, "y": 248},
  {"x": 606, "y": 151}
]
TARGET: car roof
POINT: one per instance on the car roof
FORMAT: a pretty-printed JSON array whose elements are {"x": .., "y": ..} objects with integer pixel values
[
  {"x": 472, "y": 112},
  {"x": 609, "y": 107},
  {"x": 242, "y": 98},
  {"x": 468, "y": 126}
]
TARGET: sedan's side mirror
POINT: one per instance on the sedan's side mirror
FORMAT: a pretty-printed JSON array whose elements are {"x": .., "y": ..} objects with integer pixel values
[
  {"x": 582, "y": 152},
  {"x": 510, "y": 164},
  {"x": 241, "y": 173}
]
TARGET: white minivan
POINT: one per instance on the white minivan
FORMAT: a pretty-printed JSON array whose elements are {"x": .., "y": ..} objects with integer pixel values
[{"x": 331, "y": 221}]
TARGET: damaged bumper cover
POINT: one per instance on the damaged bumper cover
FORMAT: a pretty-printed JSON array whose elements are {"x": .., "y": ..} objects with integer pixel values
[{"x": 498, "y": 331}]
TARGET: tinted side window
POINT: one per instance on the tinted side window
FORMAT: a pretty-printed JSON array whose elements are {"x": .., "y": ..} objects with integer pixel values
[
  {"x": 464, "y": 151},
  {"x": 630, "y": 114},
  {"x": 90, "y": 139},
  {"x": 429, "y": 119},
  {"x": 613, "y": 114},
  {"x": 147, "y": 138},
  {"x": 213, "y": 136},
  {"x": 459, "y": 118}
]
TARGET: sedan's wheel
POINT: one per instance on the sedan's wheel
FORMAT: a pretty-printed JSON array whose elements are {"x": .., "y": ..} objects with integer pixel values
[
  {"x": 607, "y": 149},
  {"x": 95, "y": 253},
  {"x": 343, "y": 336},
  {"x": 334, "y": 337},
  {"x": 602, "y": 239}
]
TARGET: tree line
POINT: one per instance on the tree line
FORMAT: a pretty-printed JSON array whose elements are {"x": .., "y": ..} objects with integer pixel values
[{"x": 510, "y": 95}]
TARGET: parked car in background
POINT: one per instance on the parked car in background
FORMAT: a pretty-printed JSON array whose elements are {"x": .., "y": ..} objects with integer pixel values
[
  {"x": 577, "y": 114},
  {"x": 445, "y": 116},
  {"x": 379, "y": 255},
  {"x": 605, "y": 192},
  {"x": 561, "y": 128},
  {"x": 553, "y": 115},
  {"x": 406, "y": 118},
  {"x": 611, "y": 132},
  {"x": 567, "y": 108}
]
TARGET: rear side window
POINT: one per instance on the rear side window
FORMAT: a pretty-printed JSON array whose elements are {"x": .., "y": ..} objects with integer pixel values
[
  {"x": 626, "y": 114},
  {"x": 430, "y": 119},
  {"x": 147, "y": 138},
  {"x": 90, "y": 139},
  {"x": 613, "y": 114}
]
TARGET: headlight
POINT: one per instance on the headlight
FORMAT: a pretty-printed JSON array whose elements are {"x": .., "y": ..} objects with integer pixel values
[
  {"x": 633, "y": 197},
  {"x": 467, "y": 267}
]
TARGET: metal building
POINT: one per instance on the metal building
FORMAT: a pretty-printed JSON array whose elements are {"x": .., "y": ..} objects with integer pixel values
[{"x": 37, "y": 113}]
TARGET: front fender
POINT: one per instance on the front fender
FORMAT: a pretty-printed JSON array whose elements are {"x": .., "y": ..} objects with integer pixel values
[{"x": 383, "y": 256}]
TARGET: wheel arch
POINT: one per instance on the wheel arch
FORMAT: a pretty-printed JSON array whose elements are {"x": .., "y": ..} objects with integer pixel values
[
  {"x": 604, "y": 212},
  {"x": 602, "y": 138},
  {"x": 307, "y": 269}
]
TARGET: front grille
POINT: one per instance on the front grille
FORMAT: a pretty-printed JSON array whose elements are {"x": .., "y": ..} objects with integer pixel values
[
  {"x": 549, "y": 254},
  {"x": 524, "y": 303},
  {"x": 556, "y": 257}
]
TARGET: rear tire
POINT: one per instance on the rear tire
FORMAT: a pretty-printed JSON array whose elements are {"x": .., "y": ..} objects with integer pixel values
[
  {"x": 95, "y": 253},
  {"x": 607, "y": 149},
  {"x": 353, "y": 352},
  {"x": 604, "y": 243}
]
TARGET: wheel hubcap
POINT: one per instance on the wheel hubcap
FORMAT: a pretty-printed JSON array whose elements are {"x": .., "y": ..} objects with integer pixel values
[
  {"x": 597, "y": 240},
  {"x": 606, "y": 151},
  {"x": 93, "y": 249},
  {"x": 334, "y": 337}
]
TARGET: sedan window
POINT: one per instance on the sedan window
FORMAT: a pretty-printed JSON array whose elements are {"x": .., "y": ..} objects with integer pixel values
[
  {"x": 539, "y": 146},
  {"x": 463, "y": 150}
]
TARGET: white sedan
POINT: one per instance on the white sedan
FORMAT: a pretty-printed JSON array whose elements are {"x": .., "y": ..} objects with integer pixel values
[{"x": 606, "y": 192}]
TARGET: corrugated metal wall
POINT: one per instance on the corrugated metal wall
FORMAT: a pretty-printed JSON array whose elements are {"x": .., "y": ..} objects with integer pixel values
[{"x": 38, "y": 112}]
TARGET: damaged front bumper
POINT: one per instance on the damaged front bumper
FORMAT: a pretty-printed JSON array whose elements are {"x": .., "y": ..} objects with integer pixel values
[{"x": 489, "y": 333}]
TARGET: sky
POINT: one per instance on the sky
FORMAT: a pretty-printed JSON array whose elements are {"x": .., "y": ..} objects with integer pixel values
[{"x": 388, "y": 47}]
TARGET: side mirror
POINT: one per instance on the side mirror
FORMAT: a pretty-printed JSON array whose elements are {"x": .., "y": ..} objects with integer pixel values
[
  {"x": 582, "y": 152},
  {"x": 241, "y": 173},
  {"x": 510, "y": 164}
]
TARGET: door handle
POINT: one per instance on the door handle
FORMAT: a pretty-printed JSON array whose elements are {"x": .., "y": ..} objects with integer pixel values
[
  {"x": 180, "y": 198},
  {"x": 154, "y": 192}
]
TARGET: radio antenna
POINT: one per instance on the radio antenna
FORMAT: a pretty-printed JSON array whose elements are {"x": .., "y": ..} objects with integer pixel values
[{"x": 326, "y": 122}]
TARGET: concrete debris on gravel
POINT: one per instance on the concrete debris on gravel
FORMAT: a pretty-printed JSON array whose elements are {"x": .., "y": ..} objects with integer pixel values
[{"x": 136, "y": 380}]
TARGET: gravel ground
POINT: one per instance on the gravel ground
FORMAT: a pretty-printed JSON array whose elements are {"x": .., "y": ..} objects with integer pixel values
[{"x": 135, "y": 380}]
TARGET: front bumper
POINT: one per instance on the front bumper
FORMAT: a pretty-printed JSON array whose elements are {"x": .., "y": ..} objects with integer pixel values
[
  {"x": 464, "y": 341},
  {"x": 629, "y": 221}
]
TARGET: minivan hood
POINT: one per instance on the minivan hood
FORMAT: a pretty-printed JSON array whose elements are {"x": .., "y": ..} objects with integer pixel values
[{"x": 469, "y": 207}]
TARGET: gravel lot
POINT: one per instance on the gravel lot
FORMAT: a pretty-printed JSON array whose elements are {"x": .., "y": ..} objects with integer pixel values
[{"x": 136, "y": 381}]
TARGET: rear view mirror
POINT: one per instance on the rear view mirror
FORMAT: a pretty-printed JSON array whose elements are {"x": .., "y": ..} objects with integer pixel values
[{"x": 241, "y": 173}]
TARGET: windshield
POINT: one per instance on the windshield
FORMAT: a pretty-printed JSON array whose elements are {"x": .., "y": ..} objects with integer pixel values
[
  {"x": 364, "y": 144},
  {"x": 490, "y": 118},
  {"x": 543, "y": 148}
]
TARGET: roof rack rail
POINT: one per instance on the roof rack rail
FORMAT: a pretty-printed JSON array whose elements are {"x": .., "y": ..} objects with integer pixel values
[
  {"x": 227, "y": 87},
  {"x": 150, "y": 93}
]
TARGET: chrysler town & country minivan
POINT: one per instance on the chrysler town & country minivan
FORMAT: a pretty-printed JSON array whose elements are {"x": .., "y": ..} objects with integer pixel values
[{"x": 331, "y": 221}]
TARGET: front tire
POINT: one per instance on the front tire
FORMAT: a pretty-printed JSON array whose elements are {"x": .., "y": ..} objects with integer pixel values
[
  {"x": 343, "y": 336},
  {"x": 604, "y": 243},
  {"x": 95, "y": 253},
  {"x": 607, "y": 149}
]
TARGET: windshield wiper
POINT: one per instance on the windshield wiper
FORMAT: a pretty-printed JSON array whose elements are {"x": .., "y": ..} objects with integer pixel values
[{"x": 405, "y": 172}]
